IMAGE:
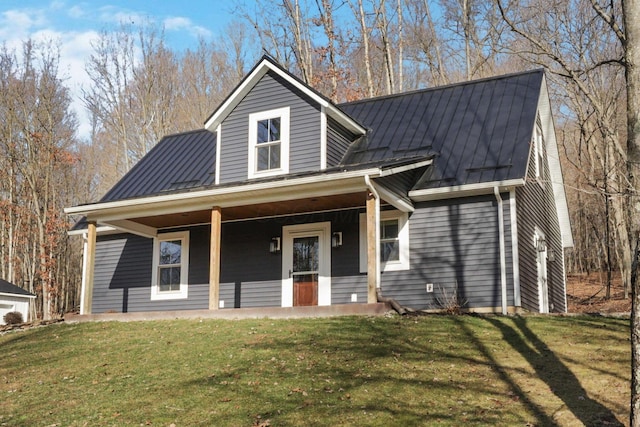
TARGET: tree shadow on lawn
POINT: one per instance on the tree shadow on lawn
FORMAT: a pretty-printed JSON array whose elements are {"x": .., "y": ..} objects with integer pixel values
[
  {"x": 349, "y": 354},
  {"x": 549, "y": 368}
]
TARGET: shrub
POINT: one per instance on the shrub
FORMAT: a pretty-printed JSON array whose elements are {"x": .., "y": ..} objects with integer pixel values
[
  {"x": 13, "y": 318},
  {"x": 450, "y": 302}
]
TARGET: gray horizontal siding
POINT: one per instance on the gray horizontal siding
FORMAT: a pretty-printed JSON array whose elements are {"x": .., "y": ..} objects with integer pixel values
[
  {"x": 338, "y": 141},
  {"x": 453, "y": 243},
  {"x": 342, "y": 289},
  {"x": 269, "y": 93},
  {"x": 536, "y": 207},
  {"x": 261, "y": 294},
  {"x": 455, "y": 246},
  {"x": 122, "y": 279}
]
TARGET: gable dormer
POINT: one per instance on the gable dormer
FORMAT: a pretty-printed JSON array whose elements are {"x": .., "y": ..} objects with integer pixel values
[{"x": 273, "y": 124}]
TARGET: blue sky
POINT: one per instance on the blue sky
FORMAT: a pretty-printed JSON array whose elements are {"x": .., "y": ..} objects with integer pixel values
[{"x": 74, "y": 24}]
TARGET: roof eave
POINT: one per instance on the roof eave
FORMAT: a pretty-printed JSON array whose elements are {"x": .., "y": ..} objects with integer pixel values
[
  {"x": 5, "y": 294},
  {"x": 464, "y": 190},
  {"x": 270, "y": 191}
]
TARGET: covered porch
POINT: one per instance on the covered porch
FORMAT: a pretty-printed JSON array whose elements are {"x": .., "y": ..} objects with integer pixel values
[{"x": 255, "y": 235}]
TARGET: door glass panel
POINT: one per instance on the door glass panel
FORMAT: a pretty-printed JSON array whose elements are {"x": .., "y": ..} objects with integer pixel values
[{"x": 305, "y": 254}]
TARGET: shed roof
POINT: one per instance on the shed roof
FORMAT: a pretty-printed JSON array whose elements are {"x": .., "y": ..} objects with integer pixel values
[
  {"x": 10, "y": 288},
  {"x": 478, "y": 131}
]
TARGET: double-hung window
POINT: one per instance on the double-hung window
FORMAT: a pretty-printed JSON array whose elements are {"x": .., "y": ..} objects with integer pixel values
[
  {"x": 390, "y": 240},
  {"x": 269, "y": 143},
  {"x": 393, "y": 238},
  {"x": 170, "y": 266}
]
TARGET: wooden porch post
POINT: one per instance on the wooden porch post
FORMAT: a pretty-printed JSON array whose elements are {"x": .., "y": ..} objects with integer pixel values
[
  {"x": 89, "y": 262},
  {"x": 372, "y": 249},
  {"x": 214, "y": 260}
]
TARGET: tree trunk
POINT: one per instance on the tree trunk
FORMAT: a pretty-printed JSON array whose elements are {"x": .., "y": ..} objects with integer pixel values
[{"x": 631, "y": 13}]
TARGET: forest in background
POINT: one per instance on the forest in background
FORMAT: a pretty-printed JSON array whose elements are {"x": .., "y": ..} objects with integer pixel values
[{"x": 347, "y": 49}]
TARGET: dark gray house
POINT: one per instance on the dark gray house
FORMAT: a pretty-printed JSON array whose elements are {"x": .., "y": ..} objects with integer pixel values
[{"x": 286, "y": 199}]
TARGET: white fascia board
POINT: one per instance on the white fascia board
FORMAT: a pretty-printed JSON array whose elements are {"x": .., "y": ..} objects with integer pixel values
[
  {"x": 405, "y": 168},
  {"x": 555, "y": 168},
  {"x": 323, "y": 138},
  {"x": 393, "y": 199},
  {"x": 4, "y": 294},
  {"x": 330, "y": 109},
  {"x": 463, "y": 190},
  {"x": 133, "y": 228},
  {"x": 290, "y": 189},
  {"x": 251, "y": 80},
  {"x": 100, "y": 230}
]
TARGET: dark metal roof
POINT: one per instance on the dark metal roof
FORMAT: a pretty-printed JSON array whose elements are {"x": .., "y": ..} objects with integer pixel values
[
  {"x": 476, "y": 131},
  {"x": 178, "y": 162},
  {"x": 10, "y": 288},
  {"x": 479, "y": 131}
]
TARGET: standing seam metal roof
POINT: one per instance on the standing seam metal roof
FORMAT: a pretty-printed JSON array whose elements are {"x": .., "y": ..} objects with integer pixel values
[
  {"x": 478, "y": 131},
  {"x": 180, "y": 161}
]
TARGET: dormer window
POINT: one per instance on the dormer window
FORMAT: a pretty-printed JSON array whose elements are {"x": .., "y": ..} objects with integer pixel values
[{"x": 269, "y": 143}]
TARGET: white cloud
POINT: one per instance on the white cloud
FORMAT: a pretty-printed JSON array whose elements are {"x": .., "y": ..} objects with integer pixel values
[
  {"x": 180, "y": 23},
  {"x": 76, "y": 12},
  {"x": 113, "y": 15},
  {"x": 19, "y": 24}
]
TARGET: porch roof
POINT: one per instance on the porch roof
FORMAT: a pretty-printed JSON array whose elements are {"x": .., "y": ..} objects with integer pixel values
[{"x": 336, "y": 188}]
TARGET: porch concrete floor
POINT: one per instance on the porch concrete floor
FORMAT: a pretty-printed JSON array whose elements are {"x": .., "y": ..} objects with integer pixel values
[{"x": 377, "y": 309}]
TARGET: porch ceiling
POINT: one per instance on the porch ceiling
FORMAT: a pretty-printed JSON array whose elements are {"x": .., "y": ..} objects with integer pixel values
[{"x": 249, "y": 211}]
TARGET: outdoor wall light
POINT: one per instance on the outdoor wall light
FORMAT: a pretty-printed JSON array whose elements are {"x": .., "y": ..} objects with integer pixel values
[
  {"x": 336, "y": 239},
  {"x": 274, "y": 245}
]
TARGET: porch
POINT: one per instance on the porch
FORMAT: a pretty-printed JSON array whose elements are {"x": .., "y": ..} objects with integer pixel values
[{"x": 376, "y": 309}]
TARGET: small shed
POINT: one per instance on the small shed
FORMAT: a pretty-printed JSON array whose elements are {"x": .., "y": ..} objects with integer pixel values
[{"x": 14, "y": 298}]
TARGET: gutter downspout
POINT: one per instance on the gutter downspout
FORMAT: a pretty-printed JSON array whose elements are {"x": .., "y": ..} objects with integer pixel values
[
  {"x": 503, "y": 261},
  {"x": 394, "y": 304}
]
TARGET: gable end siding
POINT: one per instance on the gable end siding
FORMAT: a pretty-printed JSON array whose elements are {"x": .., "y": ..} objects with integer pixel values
[
  {"x": 454, "y": 245},
  {"x": 271, "y": 92},
  {"x": 536, "y": 207},
  {"x": 338, "y": 141}
]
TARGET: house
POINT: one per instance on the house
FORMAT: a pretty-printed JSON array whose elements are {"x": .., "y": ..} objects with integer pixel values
[
  {"x": 14, "y": 298},
  {"x": 448, "y": 195}
]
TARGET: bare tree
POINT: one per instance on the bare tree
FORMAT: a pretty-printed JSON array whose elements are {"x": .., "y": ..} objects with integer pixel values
[{"x": 37, "y": 140}]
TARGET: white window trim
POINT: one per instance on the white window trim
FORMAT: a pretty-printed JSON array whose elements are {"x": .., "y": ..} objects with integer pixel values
[
  {"x": 254, "y": 118},
  {"x": 183, "y": 293},
  {"x": 403, "y": 239}
]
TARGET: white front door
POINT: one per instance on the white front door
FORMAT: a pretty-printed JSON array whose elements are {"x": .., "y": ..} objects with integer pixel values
[{"x": 306, "y": 264}]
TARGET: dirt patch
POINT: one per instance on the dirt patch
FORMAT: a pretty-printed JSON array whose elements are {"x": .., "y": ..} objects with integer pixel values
[{"x": 587, "y": 294}]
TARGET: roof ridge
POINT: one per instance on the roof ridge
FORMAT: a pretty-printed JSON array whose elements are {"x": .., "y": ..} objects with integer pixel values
[{"x": 447, "y": 86}]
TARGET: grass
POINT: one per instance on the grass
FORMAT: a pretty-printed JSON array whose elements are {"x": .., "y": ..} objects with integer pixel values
[{"x": 431, "y": 370}]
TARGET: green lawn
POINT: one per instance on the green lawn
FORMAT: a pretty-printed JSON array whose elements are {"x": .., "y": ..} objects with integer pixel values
[{"x": 429, "y": 370}]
